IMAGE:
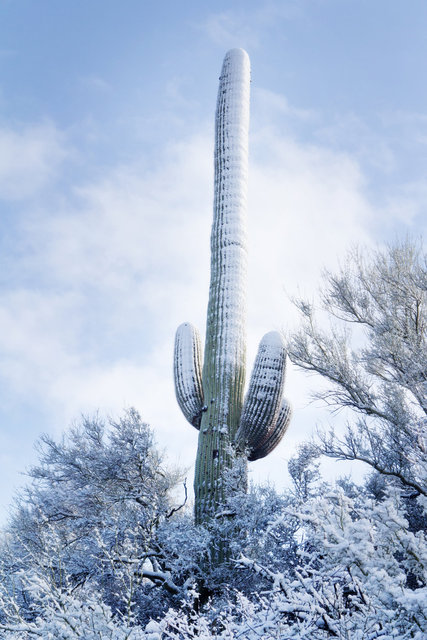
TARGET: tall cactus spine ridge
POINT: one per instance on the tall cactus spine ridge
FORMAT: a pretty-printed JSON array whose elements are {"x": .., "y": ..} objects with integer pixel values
[{"x": 232, "y": 429}]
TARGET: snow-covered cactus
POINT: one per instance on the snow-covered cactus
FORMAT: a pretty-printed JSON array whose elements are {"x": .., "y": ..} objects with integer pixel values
[
  {"x": 259, "y": 423},
  {"x": 188, "y": 373},
  {"x": 211, "y": 395}
]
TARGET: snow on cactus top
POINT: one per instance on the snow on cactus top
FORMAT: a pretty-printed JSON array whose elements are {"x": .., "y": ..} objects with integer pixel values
[{"x": 231, "y": 141}]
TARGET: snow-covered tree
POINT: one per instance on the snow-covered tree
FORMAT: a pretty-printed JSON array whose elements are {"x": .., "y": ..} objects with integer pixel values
[
  {"x": 91, "y": 517},
  {"x": 374, "y": 357}
]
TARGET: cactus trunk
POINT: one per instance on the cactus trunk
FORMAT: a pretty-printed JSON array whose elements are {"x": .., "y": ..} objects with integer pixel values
[
  {"x": 231, "y": 430},
  {"x": 225, "y": 349}
]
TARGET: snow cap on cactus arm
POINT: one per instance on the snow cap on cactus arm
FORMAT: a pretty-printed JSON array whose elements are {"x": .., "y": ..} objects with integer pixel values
[
  {"x": 264, "y": 397},
  {"x": 188, "y": 373}
]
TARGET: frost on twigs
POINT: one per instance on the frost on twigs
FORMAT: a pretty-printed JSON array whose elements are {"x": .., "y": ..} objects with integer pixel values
[
  {"x": 373, "y": 358},
  {"x": 188, "y": 373}
]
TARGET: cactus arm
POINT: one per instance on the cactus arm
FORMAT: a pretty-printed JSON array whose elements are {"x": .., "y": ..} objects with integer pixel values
[
  {"x": 225, "y": 350},
  {"x": 275, "y": 434},
  {"x": 188, "y": 373},
  {"x": 262, "y": 404}
]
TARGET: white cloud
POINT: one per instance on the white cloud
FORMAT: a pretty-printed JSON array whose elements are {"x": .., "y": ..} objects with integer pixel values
[
  {"x": 270, "y": 104},
  {"x": 369, "y": 144},
  {"x": 131, "y": 223},
  {"x": 29, "y": 158},
  {"x": 306, "y": 208},
  {"x": 244, "y": 28},
  {"x": 229, "y": 29},
  {"x": 38, "y": 340},
  {"x": 95, "y": 83},
  {"x": 405, "y": 210}
]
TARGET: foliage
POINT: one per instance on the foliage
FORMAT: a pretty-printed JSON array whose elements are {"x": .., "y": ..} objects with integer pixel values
[
  {"x": 92, "y": 513},
  {"x": 374, "y": 357},
  {"x": 351, "y": 581}
]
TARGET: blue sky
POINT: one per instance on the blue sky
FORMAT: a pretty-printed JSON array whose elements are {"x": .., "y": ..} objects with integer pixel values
[{"x": 106, "y": 142}]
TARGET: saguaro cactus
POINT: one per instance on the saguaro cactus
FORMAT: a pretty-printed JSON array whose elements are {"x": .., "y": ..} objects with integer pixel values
[{"x": 210, "y": 394}]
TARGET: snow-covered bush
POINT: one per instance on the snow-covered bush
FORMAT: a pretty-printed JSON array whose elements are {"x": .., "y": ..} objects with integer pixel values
[
  {"x": 360, "y": 574},
  {"x": 357, "y": 558},
  {"x": 90, "y": 516},
  {"x": 66, "y": 616}
]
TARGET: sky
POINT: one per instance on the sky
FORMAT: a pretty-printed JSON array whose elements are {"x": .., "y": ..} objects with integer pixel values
[{"x": 106, "y": 186}]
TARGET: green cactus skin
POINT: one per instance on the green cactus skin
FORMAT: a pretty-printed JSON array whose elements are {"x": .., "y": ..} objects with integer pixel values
[{"x": 211, "y": 394}]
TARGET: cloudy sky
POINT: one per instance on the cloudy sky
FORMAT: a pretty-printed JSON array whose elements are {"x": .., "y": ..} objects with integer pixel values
[{"x": 106, "y": 144}]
